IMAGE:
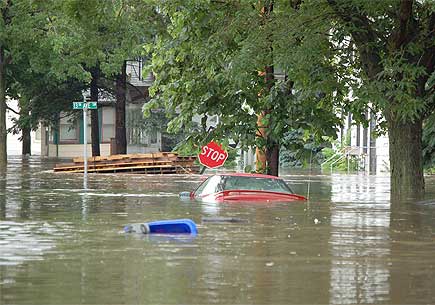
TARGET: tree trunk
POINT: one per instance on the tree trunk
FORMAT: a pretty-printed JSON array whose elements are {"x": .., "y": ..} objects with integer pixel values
[
  {"x": 26, "y": 142},
  {"x": 261, "y": 152},
  {"x": 267, "y": 157},
  {"x": 3, "y": 131},
  {"x": 120, "y": 130},
  {"x": 25, "y": 126},
  {"x": 407, "y": 180},
  {"x": 272, "y": 146},
  {"x": 95, "y": 130},
  {"x": 273, "y": 160}
]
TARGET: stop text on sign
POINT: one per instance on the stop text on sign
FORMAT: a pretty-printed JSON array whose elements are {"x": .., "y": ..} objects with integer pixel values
[{"x": 212, "y": 155}]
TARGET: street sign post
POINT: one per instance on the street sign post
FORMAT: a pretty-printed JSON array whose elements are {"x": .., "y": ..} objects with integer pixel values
[
  {"x": 85, "y": 106},
  {"x": 85, "y": 146},
  {"x": 212, "y": 155}
]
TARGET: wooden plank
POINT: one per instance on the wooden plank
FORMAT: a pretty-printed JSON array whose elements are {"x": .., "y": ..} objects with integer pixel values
[
  {"x": 90, "y": 159},
  {"x": 125, "y": 164},
  {"x": 60, "y": 165},
  {"x": 160, "y": 155},
  {"x": 105, "y": 169},
  {"x": 159, "y": 162},
  {"x": 116, "y": 157},
  {"x": 66, "y": 168}
]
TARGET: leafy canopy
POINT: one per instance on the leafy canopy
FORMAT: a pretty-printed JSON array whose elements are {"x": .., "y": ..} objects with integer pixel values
[{"x": 209, "y": 61}]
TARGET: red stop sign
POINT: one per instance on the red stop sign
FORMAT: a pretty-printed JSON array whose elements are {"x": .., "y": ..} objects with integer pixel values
[{"x": 212, "y": 155}]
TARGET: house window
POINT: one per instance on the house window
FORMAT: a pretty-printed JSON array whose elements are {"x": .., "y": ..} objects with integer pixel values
[
  {"x": 88, "y": 128},
  {"x": 108, "y": 124},
  {"x": 68, "y": 129},
  {"x": 153, "y": 136},
  {"x": 38, "y": 134},
  {"x": 136, "y": 127}
]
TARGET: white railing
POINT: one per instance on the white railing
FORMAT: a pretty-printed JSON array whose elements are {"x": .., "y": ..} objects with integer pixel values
[{"x": 346, "y": 153}]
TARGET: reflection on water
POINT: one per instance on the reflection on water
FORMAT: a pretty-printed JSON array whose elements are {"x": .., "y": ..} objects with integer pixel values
[
  {"x": 360, "y": 189},
  {"x": 60, "y": 244},
  {"x": 359, "y": 239}
]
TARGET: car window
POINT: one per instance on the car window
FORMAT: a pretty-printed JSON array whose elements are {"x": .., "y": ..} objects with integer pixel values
[{"x": 210, "y": 186}]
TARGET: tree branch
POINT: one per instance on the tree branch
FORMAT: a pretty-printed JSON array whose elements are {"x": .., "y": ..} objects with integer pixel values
[
  {"x": 405, "y": 24},
  {"x": 10, "y": 109},
  {"x": 366, "y": 39}
]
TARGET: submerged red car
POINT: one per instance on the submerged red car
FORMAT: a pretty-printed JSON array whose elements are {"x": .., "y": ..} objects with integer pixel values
[{"x": 238, "y": 187}]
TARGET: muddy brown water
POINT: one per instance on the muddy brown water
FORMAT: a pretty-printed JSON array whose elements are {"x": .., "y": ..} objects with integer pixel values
[{"x": 60, "y": 244}]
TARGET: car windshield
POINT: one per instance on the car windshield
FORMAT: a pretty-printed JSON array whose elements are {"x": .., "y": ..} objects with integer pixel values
[
  {"x": 219, "y": 183},
  {"x": 256, "y": 183}
]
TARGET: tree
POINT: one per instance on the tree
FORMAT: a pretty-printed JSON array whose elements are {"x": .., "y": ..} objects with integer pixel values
[
  {"x": 104, "y": 34},
  {"x": 211, "y": 60},
  {"x": 22, "y": 34},
  {"x": 388, "y": 51},
  {"x": 429, "y": 129},
  {"x": 120, "y": 130},
  {"x": 393, "y": 43},
  {"x": 49, "y": 98},
  {"x": 40, "y": 94}
]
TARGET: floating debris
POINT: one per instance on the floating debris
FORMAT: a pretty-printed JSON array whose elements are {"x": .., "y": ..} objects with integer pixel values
[
  {"x": 174, "y": 226},
  {"x": 223, "y": 219}
]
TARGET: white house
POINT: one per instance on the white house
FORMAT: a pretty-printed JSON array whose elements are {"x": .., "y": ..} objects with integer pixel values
[{"x": 14, "y": 145}]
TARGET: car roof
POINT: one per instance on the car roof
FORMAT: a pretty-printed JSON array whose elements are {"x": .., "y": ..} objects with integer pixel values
[{"x": 249, "y": 175}]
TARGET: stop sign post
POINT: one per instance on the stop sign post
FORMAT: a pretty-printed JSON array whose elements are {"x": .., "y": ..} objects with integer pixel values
[{"x": 212, "y": 155}]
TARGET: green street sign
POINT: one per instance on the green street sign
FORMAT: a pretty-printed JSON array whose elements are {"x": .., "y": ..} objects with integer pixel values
[
  {"x": 79, "y": 105},
  {"x": 83, "y": 105},
  {"x": 92, "y": 105}
]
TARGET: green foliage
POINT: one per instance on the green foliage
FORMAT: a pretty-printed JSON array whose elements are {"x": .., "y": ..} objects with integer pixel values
[
  {"x": 331, "y": 56},
  {"x": 48, "y": 66},
  {"x": 46, "y": 103},
  {"x": 32, "y": 79},
  {"x": 86, "y": 33},
  {"x": 300, "y": 149},
  {"x": 429, "y": 143},
  {"x": 231, "y": 163},
  {"x": 26, "y": 54},
  {"x": 207, "y": 62},
  {"x": 157, "y": 120}
]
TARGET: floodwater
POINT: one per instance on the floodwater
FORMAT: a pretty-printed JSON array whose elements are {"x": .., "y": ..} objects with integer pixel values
[{"x": 60, "y": 244}]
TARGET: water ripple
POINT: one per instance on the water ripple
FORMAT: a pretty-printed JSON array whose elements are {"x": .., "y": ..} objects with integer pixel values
[{"x": 24, "y": 241}]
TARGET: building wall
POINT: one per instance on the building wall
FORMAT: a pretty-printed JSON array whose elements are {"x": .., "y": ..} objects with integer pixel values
[
  {"x": 14, "y": 145},
  {"x": 134, "y": 71},
  {"x": 383, "y": 155},
  {"x": 75, "y": 150}
]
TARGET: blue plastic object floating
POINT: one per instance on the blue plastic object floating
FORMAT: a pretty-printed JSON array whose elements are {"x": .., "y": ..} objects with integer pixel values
[{"x": 174, "y": 226}]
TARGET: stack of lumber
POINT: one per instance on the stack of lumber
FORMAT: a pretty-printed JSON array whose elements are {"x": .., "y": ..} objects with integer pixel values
[{"x": 155, "y": 163}]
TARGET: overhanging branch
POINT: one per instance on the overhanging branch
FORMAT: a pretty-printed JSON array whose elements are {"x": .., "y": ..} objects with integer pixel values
[
  {"x": 12, "y": 110},
  {"x": 405, "y": 24},
  {"x": 365, "y": 37}
]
